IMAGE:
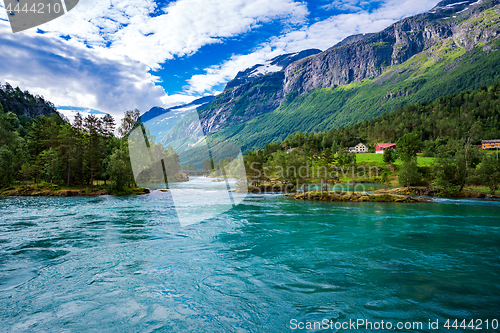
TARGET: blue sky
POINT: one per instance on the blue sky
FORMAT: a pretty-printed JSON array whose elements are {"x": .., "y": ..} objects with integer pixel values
[{"x": 118, "y": 55}]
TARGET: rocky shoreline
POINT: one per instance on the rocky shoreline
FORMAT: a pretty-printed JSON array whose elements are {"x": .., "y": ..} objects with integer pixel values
[
  {"x": 34, "y": 191},
  {"x": 355, "y": 197},
  {"x": 429, "y": 192}
]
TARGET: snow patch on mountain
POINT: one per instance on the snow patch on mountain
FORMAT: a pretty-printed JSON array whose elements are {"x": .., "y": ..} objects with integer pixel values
[{"x": 265, "y": 69}]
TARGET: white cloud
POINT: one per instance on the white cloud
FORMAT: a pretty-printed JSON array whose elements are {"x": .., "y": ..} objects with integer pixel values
[
  {"x": 182, "y": 28},
  {"x": 76, "y": 76}
]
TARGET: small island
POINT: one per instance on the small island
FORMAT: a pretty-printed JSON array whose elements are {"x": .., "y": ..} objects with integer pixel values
[{"x": 356, "y": 197}]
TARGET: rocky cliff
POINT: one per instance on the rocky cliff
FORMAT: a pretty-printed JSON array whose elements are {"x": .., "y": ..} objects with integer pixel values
[{"x": 369, "y": 57}]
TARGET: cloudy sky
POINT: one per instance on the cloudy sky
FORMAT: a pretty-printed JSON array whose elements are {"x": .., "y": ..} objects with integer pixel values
[{"x": 123, "y": 54}]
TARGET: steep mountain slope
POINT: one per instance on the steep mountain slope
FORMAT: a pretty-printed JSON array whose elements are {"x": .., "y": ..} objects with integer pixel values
[
  {"x": 165, "y": 124},
  {"x": 24, "y": 104},
  {"x": 255, "y": 91},
  {"x": 452, "y": 48}
]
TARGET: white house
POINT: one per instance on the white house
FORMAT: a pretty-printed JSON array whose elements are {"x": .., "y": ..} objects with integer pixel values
[{"x": 359, "y": 149}]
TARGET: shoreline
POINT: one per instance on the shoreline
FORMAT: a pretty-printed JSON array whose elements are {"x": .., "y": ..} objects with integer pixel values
[
  {"x": 53, "y": 191},
  {"x": 429, "y": 192},
  {"x": 400, "y": 194}
]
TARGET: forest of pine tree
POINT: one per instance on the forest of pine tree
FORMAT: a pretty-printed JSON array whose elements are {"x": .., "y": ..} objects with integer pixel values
[{"x": 49, "y": 149}]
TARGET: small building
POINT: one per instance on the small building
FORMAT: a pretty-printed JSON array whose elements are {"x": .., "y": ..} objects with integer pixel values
[
  {"x": 491, "y": 144},
  {"x": 360, "y": 148},
  {"x": 379, "y": 149}
]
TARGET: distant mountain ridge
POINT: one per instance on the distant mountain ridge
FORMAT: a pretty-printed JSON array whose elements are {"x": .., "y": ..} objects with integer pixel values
[
  {"x": 452, "y": 48},
  {"x": 158, "y": 111}
]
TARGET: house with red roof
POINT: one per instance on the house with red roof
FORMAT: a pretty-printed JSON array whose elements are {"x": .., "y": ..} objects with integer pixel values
[{"x": 383, "y": 146}]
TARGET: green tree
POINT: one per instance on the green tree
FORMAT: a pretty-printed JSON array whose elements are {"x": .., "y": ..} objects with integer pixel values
[
  {"x": 8, "y": 125},
  {"x": 51, "y": 165},
  {"x": 78, "y": 122},
  {"x": 408, "y": 173},
  {"x": 67, "y": 149},
  {"x": 390, "y": 156},
  {"x": 408, "y": 146},
  {"x": 36, "y": 136},
  {"x": 129, "y": 122},
  {"x": 254, "y": 165},
  {"x": 6, "y": 166},
  {"x": 92, "y": 127},
  {"x": 207, "y": 165},
  {"x": 118, "y": 169},
  {"x": 346, "y": 161},
  {"x": 26, "y": 172},
  {"x": 172, "y": 163},
  {"x": 108, "y": 128},
  {"x": 447, "y": 172},
  {"x": 489, "y": 172}
]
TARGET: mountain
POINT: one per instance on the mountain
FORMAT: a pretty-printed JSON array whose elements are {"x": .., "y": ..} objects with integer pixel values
[
  {"x": 160, "y": 121},
  {"x": 452, "y": 48},
  {"x": 158, "y": 111},
  {"x": 253, "y": 92},
  {"x": 24, "y": 104}
]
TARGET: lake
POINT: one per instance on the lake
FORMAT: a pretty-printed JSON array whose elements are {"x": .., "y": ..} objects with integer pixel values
[{"x": 123, "y": 264}]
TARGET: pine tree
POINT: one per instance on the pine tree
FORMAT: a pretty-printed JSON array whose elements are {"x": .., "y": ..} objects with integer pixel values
[
  {"x": 67, "y": 149},
  {"x": 408, "y": 173},
  {"x": 6, "y": 166},
  {"x": 92, "y": 128}
]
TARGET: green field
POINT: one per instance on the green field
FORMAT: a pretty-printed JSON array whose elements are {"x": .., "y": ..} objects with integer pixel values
[{"x": 378, "y": 160}]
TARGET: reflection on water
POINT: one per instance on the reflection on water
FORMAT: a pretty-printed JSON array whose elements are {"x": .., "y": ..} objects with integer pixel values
[{"x": 124, "y": 264}]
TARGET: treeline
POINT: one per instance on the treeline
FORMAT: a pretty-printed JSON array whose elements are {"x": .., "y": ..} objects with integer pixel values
[
  {"x": 449, "y": 129},
  {"x": 436, "y": 123},
  {"x": 48, "y": 149}
]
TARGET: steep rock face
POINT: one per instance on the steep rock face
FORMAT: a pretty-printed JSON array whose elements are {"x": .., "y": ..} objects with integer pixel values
[
  {"x": 352, "y": 39},
  {"x": 274, "y": 65},
  {"x": 370, "y": 57},
  {"x": 244, "y": 102},
  {"x": 253, "y": 92},
  {"x": 263, "y": 87}
]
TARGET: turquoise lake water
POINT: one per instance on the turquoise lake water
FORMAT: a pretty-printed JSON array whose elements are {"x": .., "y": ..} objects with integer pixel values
[{"x": 123, "y": 264}]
